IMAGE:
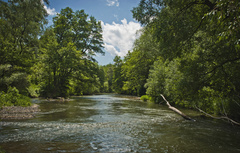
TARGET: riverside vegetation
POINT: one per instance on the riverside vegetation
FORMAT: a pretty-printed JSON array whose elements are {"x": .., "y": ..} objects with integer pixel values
[{"x": 187, "y": 50}]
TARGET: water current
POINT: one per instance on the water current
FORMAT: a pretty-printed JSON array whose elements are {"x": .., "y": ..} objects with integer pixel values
[{"x": 114, "y": 123}]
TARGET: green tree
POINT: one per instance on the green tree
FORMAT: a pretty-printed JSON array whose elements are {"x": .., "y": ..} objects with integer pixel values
[
  {"x": 137, "y": 63},
  {"x": 21, "y": 24},
  {"x": 86, "y": 79},
  {"x": 199, "y": 52},
  {"x": 117, "y": 74},
  {"x": 67, "y": 54},
  {"x": 108, "y": 83},
  {"x": 76, "y": 27},
  {"x": 101, "y": 76},
  {"x": 59, "y": 64}
]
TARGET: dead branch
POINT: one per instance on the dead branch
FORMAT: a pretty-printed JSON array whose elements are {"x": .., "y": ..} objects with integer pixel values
[
  {"x": 221, "y": 117},
  {"x": 176, "y": 110}
]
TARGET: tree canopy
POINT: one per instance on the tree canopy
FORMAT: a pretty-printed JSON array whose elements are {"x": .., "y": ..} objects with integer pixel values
[{"x": 67, "y": 53}]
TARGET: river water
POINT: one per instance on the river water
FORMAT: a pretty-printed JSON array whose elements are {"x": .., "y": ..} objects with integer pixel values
[{"x": 113, "y": 123}]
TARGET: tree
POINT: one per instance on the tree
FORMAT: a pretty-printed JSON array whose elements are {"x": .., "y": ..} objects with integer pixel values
[
  {"x": 101, "y": 76},
  {"x": 67, "y": 54},
  {"x": 199, "y": 52},
  {"x": 86, "y": 80},
  {"x": 117, "y": 74},
  {"x": 137, "y": 63},
  {"x": 75, "y": 27},
  {"x": 21, "y": 24},
  {"x": 59, "y": 64},
  {"x": 108, "y": 71}
]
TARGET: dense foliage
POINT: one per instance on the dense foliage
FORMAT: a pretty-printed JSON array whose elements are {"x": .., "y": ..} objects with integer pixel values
[
  {"x": 21, "y": 23},
  {"x": 67, "y": 51},
  {"x": 189, "y": 51},
  {"x": 193, "y": 52},
  {"x": 13, "y": 98},
  {"x": 57, "y": 61}
]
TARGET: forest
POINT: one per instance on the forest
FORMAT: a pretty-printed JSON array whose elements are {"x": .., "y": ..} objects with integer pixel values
[{"x": 189, "y": 51}]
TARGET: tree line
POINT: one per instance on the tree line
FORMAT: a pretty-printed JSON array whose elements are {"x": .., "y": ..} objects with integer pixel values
[{"x": 189, "y": 51}]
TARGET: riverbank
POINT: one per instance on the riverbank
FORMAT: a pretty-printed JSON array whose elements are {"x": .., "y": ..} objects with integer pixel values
[{"x": 18, "y": 112}]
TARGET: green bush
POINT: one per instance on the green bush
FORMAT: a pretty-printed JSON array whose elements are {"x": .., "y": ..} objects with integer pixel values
[
  {"x": 146, "y": 98},
  {"x": 34, "y": 90},
  {"x": 13, "y": 98}
]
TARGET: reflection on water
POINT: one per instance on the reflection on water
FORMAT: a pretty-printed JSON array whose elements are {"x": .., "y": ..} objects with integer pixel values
[{"x": 111, "y": 123}]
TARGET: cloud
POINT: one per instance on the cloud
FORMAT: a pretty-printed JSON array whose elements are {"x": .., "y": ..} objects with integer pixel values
[
  {"x": 111, "y": 49},
  {"x": 112, "y": 3},
  {"x": 119, "y": 38},
  {"x": 50, "y": 11}
]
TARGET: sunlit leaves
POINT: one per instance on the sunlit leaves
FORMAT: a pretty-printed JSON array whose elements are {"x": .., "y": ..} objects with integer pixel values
[
  {"x": 77, "y": 27},
  {"x": 21, "y": 24},
  {"x": 137, "y": 63}
]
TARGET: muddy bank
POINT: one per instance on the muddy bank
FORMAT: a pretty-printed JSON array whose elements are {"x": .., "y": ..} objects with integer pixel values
[{"x": 18, "y": 112}]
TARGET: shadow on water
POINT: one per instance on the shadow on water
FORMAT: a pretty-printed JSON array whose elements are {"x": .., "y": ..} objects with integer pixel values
[{"x": 114, "y": 123}]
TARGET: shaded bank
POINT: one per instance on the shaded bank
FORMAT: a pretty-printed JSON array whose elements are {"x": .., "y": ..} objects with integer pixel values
[{"x": 18, "y": 112}]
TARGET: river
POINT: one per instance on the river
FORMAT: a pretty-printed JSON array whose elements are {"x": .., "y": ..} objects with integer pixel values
[{"x": 114, "y": 123}]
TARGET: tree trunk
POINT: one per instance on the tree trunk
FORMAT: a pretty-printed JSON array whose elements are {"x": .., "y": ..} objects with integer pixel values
[{"x": 176, "y": 110}]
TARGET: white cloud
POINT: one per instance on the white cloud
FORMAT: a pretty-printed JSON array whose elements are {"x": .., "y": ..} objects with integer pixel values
[
  {"x": 119, "y": 38},
  {"x": 111, "y": 49},
  {"x": 50, "y": 11},
  {"x": 112, "y": 3}
]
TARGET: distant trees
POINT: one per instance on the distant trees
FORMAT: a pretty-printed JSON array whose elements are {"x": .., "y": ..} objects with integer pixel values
[
  {"x": 117, "y": 75},
  {"x": 108, "y": 78},
  {"x": 113, "y": 79}
]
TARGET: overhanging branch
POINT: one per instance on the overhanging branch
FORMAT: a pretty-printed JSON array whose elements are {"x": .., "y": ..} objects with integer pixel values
[{"x": 221, "y": 117}]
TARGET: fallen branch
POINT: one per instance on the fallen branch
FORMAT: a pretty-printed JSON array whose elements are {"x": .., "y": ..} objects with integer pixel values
[
  {"x": 176, "y": 110},
  {"x": 221, "y": 117}
]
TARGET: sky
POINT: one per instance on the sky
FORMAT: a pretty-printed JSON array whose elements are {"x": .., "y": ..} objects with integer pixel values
[{"x": 119, "y": 27}]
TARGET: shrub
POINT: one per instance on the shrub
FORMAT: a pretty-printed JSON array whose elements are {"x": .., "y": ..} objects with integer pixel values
[
  {"x": 13, "y": 98},
  {"x": 146, "y": 98},
  {"x": 34, "y": 90}
]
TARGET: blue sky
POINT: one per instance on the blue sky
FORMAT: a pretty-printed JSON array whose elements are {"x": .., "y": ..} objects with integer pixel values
[{"x": 119, "y": 28}]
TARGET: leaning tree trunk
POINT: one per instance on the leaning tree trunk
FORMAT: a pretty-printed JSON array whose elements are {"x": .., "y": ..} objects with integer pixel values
[{"x": 176, "y": 110}]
